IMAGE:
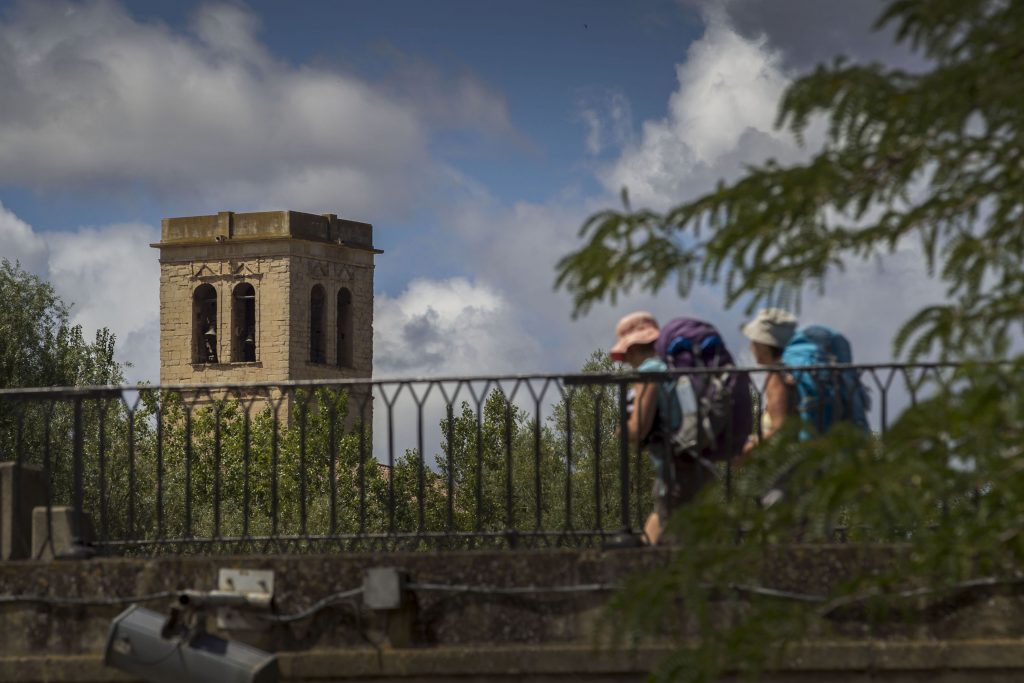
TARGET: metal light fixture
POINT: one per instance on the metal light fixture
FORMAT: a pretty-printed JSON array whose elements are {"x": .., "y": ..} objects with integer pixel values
[{"x": 148, "y": 645}]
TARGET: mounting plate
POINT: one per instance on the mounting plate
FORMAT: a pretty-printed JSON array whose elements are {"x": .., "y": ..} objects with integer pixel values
[
  {"x": 245, "y": 581},
  {"x": 382, "y": 588}
]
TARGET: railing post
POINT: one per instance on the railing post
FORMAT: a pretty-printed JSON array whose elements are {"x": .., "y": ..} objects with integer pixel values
[
  {"x": 79, "y": 549},
  {"x": 623, "y": 463},
  {"x": 625, "y": 537}
]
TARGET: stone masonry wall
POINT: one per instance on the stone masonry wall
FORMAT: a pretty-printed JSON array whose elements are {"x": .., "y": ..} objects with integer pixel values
[
  {"x": 333, "y": 268},
  {"x": 462, "y": 636},
  {"x": 184, "y": 269},
  {"x": 283, "y": 273}
]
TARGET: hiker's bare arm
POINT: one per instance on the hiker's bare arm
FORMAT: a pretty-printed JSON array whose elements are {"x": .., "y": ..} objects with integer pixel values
[
  {"x": 776, "y": 397},
  {"x": 642, "y": 418}
]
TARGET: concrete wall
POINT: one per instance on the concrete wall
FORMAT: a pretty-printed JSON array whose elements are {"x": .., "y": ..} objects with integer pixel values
[{"x": 468, "y": 637}]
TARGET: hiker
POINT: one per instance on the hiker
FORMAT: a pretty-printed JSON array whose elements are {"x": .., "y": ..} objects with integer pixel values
[
  {"x": 722, "y": 407},
  {"x": 769, "y": 333},
  {"x": 689, "y": 423},
  {"x": 820, "y": 396},
  {"x": 656, "y": 414}
]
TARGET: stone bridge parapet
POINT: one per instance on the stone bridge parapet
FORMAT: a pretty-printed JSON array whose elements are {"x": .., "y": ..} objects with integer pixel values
[{"x": 475, "y": 616}]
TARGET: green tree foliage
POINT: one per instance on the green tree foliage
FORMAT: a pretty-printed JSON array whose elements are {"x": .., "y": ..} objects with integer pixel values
[
  {"x": 169, "y": 467},
  {"x": 38, "y": 345},
  {"x": 946, "y": 500},
  {"x": 291, "y": 468},
  {"x": 504, "y": 468},
  {"x": 510, "y": 470},
  {"x": 935, "y": 157},
  {"x": 586, "y": 422}
]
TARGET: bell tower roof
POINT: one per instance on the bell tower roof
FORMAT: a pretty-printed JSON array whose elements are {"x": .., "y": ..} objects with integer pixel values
[{"x": 228, "y": 226}]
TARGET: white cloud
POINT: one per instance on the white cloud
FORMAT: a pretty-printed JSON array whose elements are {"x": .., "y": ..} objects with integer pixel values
[
  {"x": 109, "y": 275},
  {"x": 112, "y": 276},
  {"x": 720, "y": 118},
  {"x": 872, "y": 299},
  {"x": 809, "y": 32},
  {"x": 449, "y": 327},
  {"x": 18, "y": 242},
  {"x": 96, "y": 99},
  {"x": 608, "y": 118}
]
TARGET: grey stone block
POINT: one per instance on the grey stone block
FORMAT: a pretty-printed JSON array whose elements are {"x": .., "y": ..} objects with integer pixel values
[
  {"x": 22, "y": 488},
  {"x": 55, "y": 528}
]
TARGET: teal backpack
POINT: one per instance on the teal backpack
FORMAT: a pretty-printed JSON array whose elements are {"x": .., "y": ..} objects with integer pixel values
[{"x": 825, "y": 395}]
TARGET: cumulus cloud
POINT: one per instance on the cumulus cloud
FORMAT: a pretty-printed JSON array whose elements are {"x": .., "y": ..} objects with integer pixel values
[
  {"x": 719, "y": 119},
  {"x": 109, "y": 275},
  {"x": 872, "y": 298},
  {"x": 449, "y": 327},
  {"x": 608, "y": 118},
  {"x": 19, "y": 242},
  {"x": 808, "y": 32},
  {"x": 97, "y": 99},
  {"x": 112, "y": 276}
]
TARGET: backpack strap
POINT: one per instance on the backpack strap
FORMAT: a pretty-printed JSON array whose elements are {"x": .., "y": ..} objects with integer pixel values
[
  {"x": 709, "y": 342},
  {"x": 678, "y": 345}
]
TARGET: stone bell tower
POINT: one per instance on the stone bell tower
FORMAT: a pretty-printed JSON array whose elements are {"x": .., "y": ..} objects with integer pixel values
[{"x": 265, "y": 297}]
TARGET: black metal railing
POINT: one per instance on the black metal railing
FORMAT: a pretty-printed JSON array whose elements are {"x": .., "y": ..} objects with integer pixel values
[{"x": 448, "y": 463}]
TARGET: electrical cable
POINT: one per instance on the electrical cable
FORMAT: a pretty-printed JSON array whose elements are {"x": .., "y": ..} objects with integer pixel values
[
  {"x": 774, "y": 593},
  {"x": 84, "y": 602},
  {"x": 515, "y": 590},
  {"x": 342, "y": 596},
  {"x": 314, "y": 608}
]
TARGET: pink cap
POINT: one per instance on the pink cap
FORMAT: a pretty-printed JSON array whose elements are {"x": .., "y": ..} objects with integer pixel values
[{"x": 635, "y": 328}]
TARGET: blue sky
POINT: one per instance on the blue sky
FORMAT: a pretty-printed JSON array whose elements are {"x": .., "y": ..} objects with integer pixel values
[
  {"x": 543, "y": 59},
  {"x": 475, "y": 136}
]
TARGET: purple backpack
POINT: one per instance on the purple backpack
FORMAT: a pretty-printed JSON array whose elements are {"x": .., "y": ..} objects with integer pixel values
[{"x": 723, "y": 399}]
